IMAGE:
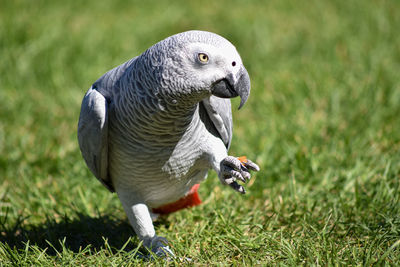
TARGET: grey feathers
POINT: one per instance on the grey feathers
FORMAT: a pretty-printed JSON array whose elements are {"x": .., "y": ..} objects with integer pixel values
[
  {"x": 93, "y": 134},
  {"x": 150, "y": 119},
  {"x": 214, "y": 113}
]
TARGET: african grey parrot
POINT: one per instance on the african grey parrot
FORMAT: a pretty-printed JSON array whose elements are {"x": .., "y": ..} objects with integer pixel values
[{"x": 151, "y": 128}]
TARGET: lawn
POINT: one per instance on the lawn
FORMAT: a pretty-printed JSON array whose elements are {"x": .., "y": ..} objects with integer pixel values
[{"x": 322, "y": 121}]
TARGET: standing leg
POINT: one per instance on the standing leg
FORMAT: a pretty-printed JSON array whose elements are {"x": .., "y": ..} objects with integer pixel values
[{"x": 140, "y": 219}]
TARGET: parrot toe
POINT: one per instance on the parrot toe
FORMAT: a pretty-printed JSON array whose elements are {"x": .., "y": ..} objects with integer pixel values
[
  {"x": 164, "y": 252},
  {"x": 159, "y": 248}
]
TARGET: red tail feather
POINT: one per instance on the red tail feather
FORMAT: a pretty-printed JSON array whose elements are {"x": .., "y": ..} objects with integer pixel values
[{"x": 190, "y": 200}]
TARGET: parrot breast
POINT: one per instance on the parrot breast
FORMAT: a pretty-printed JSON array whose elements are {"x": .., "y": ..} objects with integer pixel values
[{"x": 161, "y": 160}]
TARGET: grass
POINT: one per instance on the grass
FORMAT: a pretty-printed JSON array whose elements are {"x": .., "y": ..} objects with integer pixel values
[{"x": 322, "y": 122}]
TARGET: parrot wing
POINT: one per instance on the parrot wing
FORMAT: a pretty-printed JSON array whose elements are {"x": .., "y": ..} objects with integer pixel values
[
  {"x": 216, "y": 114},
  {"x": 93, "y": 134}
]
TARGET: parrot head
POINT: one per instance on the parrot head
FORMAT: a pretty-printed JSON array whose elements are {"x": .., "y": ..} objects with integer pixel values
[{"x": 199, "y": 63}]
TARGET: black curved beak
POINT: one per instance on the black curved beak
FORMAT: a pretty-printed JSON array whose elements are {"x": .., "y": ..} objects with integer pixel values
[{"x": 231, "y": 86}]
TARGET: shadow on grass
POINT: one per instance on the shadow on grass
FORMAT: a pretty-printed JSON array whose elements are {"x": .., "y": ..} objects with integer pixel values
[{"x": 78, "y": 233}]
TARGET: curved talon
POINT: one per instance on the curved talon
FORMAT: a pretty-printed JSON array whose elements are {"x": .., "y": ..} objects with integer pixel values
[
  {"x": 238, "y": 187},
  {"x": 251, "y": 165}
]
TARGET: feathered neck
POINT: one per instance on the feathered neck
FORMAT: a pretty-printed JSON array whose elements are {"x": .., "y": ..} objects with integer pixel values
[{"x": 140, "y": 105}]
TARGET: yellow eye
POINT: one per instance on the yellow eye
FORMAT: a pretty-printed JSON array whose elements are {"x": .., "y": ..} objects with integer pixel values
[{"x": 203, "y": 58}]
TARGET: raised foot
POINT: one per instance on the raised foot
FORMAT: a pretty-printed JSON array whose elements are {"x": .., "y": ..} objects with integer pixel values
[{"x": 233, "y": 169}]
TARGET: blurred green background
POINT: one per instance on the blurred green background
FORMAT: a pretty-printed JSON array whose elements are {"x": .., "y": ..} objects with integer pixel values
[{"x": 322, "y": 121}]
